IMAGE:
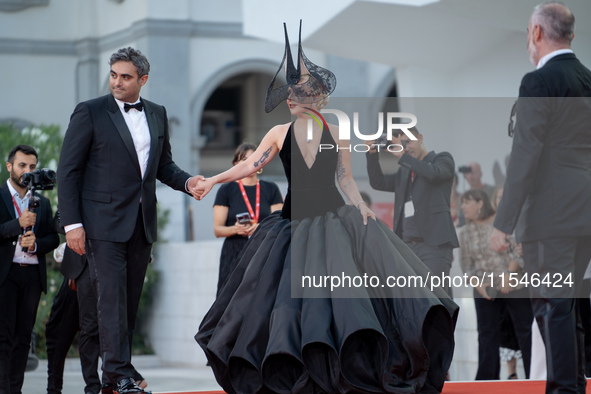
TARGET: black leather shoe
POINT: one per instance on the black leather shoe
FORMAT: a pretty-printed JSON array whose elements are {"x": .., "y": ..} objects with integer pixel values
[
  {"x": 107, "y": 388},
  {"x": 129, "y": 386}
]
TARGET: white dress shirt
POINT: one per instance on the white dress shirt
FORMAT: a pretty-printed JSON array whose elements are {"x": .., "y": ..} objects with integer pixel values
[
  {"x": 20, "y": 256},
  {"x": 549, "y": 56}
]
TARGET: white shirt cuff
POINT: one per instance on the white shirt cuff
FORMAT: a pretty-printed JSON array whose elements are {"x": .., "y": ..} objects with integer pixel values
[{"x": 71, "y": 227}]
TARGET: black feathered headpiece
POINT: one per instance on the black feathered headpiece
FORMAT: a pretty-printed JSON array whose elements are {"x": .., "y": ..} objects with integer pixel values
[{"x": 306, "y": 84}]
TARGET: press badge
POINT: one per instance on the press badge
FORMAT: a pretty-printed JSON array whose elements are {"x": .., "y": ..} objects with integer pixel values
[{"x": 409, "y": 209}]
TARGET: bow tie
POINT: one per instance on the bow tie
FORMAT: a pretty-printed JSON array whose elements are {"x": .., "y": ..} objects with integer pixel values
[{"x": 139, "y": 106}]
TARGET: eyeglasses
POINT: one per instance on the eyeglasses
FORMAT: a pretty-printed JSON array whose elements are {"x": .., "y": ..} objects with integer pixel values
[{"x": 512, "y": 120}]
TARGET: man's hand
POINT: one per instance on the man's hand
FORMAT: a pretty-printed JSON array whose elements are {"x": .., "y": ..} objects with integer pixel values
[
  {"x": 27, "y": 240},
  {"x": 396, "y": 141},
  {"x": 200, "y": 190},
  {"x": 193, "y": 181},
  {"x": 76, "y": 240},
  {"x": 498, "y": 240},
  {"x": 27, "y": 219}
]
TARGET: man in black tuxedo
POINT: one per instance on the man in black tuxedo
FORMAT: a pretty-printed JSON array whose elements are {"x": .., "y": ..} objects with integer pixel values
[
  {"x": 22, "y": 274},
  {"x": 115, "y": 148},
  {"x": 548, "y": 187},
  {"x": 422, "y": 185}
]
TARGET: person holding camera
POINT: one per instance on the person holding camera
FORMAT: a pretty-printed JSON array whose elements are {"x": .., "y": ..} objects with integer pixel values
[
  {"x": 473, "y": 175},
  {"x": 491, "y": 298},
  {"x": 238, "y": 209},
  {"x": 422, "y": 185},
  {"x": 26, "y": 235}
]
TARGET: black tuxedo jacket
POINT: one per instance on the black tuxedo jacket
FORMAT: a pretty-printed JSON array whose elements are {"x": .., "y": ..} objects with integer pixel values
[
  {"x": 548, "y": 185},
  {"x": 430, "y": 191},
  {"x": 46, "y": 237},
  {"x": 99, "y": 177}
]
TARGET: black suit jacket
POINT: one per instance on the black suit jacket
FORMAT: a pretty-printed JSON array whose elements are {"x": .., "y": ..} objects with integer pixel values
[
  {"x": 99, "y": 178},
  {"x": 548, "y": 185},
  {"x": 431, "y": 191},
  {"x": 46, "y": 237}
]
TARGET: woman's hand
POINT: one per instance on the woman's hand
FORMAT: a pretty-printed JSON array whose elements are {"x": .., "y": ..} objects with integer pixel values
[
  {"x": 482, "y": 291},
  {"x": 202, "y": 187},
  {"x": 366, "y": 212},
  {"x": 251, "y": 227},
  {"x": 241, "y": 229}
]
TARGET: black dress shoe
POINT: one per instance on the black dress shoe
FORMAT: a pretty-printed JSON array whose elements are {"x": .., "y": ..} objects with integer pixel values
[
  {"x": 129, "y": 386},
  {"x": 107, "y": 388}
]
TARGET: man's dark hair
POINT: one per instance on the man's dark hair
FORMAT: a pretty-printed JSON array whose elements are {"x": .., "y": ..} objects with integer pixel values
[
  {"x": 26, "y": 149},
  {"x": 134, "y": 56}
]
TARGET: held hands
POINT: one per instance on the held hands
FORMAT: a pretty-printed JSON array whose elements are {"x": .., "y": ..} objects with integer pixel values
[
  {"x": 27, "y": 219},
  {"x": 482, "y": 291},
  {"x": 201, "y": 187},
  {"x": 498, "y": 240},
  {"x": 76, "y": 239},
  {"x": 246, "y": 230}
]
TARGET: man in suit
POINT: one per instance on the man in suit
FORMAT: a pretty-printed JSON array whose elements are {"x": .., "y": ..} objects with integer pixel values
[
  {"x": 115, "y": 148},
  {"x": 548, "y": 187},
  {"x": 422, "y": 186},
  {"x": 22, "y": 273}
]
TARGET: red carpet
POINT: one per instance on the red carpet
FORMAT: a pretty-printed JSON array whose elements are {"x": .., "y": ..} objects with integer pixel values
[{"x": 513, "y": 387}]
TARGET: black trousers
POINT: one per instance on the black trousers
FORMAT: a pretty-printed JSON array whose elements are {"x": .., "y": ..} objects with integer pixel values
[
  {"x": 489, "y": 316},
  {"x": 60, "y": 330},
  {"x": 437, "y": 258},
  {"x": 556, "y": 308},
  {"x": 117, "y": 271},
  {"x": 19, "y": 299}
]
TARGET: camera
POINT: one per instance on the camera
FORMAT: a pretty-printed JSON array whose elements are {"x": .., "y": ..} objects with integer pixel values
[
  {"x": 42, "y": 179},
  {"x": 465, "y": 169},
  {"x": 243, "y": 218}
]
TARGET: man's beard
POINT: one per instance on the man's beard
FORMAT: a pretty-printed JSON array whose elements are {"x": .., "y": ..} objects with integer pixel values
[{"x": 16, "y": 180}]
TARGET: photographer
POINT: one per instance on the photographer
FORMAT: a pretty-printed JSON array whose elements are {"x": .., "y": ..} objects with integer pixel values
[
  {"x": 26, "y": 235},
  {"x": 422, "y": 185},
  {"x": 473, "y": 175}
]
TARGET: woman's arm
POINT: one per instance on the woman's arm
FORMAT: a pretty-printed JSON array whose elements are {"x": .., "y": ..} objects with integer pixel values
[
  {"x": 345, "y": 176},
  {"x": 268, "y": 148}
]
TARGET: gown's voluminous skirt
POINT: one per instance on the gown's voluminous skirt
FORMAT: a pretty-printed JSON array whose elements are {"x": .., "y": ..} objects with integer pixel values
[{"x": 267, "y": 334}]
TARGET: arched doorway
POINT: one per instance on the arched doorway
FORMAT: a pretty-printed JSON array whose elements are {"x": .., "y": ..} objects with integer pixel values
[{"x": 234, "y": 113}]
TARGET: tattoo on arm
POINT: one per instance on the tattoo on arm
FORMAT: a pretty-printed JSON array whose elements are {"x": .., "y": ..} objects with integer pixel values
[
  {"x": 264, "y": 157},
  {"x": 340, "y": 167}
]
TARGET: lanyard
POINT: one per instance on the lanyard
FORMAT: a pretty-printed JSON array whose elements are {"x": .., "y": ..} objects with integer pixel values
[
  {"x": 18, "y": 210},
  {"x": 247, "y": 202}
]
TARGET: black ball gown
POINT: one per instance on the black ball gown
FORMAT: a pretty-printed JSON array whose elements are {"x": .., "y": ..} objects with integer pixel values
[{"x": 270, "y": 331}]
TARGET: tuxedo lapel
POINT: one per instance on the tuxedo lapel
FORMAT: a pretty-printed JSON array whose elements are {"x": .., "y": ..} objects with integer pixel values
[
  {"x": 121, "y": 126},
  {"x": 153, "y": 126},
  {"x": 5, "y": 193}
]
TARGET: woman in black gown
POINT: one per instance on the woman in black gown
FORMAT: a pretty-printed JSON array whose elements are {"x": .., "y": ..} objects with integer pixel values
[{"x": 271, "y": 331}]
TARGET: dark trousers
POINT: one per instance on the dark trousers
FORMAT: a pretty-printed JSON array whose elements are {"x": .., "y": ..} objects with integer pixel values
[
  {"x": 437, "y": 258},
  {"x": 89, "y": 342},
  {"x": 60, "y": 330},
  {"x": 556, "y": 308},
  {"x": 117, "y": 271},
  {"x": 19, "y": 299},
  {"x": 489, "y": 315},
  {"x": 72, "y": 311}
]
